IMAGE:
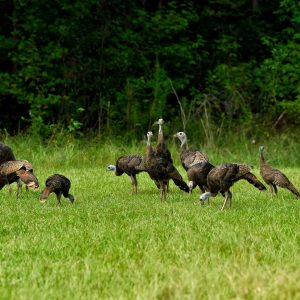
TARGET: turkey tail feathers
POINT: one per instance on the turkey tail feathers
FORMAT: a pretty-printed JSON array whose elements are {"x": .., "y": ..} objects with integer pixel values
[
  {"x": 178, "y": 180},
  {"x": 181, "y": 184},
  {"x": 251, "y": 178},
  {"x": 292, "y": 188}
]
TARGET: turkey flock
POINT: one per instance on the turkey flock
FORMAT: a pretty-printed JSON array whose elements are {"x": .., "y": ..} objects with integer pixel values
[
  {"x": 158, "y": 163},
  {"x": 210, "y": 179},
  {"x": 12, "y": 170}
]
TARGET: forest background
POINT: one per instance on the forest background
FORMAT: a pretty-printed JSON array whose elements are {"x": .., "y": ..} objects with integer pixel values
[{"x": 93, "y": 67}]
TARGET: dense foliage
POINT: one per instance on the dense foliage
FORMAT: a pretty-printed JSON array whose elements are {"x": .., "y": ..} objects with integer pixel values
[{"x": 96, "y": 63}]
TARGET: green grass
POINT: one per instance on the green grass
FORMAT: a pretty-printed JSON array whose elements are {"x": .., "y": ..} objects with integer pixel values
[{"x": 114, "y": 245}]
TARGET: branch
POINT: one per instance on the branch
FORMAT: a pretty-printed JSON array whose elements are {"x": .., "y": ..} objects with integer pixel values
[
  {"x": 278, "y": 120},
  {"x": 183, "y": 118}
]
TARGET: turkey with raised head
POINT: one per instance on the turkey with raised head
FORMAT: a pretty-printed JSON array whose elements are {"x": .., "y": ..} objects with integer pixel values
[
  {"x": 58, "y": 184},
  {"x": 189, "y": 157},
  {"x": 222, "y": 177},
  {"x": 195, "y": 163},
  {"x": 131, "y": 165},
  {"x": 161, "y": 170},
  {"x": 274, "y": 177},
  {"x": 161, "y": 148}
]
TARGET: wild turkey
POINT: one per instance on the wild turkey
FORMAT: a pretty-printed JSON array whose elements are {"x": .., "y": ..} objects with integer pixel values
[
  {"x": 11, "y": 170},
  {"x": 161, "y": 149},
  {"x": 26, "y": 176},
  {"x": 222, "y": 177},
  {"x": 197, "y": 175},
  {"x": 131, "y": 165},
  {"x": 274, "y": 177},
  {"x": 195, "y": 163},
  {"x": 161, "y": 170},
  {"x": 189, "y": 157},
  {"x": 60, "y": 185}
]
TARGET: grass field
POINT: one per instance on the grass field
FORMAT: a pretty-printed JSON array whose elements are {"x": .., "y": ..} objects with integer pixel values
[{"x": 114, "y": 245}]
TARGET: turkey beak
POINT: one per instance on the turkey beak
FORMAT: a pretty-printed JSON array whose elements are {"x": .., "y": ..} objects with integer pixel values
[{"x": 33, "y": 186}]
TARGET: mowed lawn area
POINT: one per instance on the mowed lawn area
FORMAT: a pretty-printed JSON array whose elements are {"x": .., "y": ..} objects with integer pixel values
[{"x": 114, "y": 245}]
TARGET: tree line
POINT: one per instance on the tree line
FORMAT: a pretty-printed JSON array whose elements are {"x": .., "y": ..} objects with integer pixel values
[{"x": 116, "y": 66}]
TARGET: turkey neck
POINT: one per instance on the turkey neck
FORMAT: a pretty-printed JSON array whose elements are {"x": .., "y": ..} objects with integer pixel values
[
  {"x": 46, "y": 193},
  {"x": 160, "y": 141},
  {"x": 149, "y": 150},
  {"x": 262, "y": 158},
  {"x": 183, "y": 146},
  {"x": 160, "y": 130},
  {"x": 161, "y": 146}
]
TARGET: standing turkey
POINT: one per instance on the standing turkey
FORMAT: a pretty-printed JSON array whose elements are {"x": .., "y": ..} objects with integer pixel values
[
  {"x": 195, "y": 163},
  {"x": 131, "y": 165},
  {"x": 60, "y": 185},
  {"x": 274, "y": 177},
  {"x": 161, "y": 170},
  {"x": 161, "y": 149},
  {"x": 11, "y": 171},
  {"x": 222, "y": 177}
]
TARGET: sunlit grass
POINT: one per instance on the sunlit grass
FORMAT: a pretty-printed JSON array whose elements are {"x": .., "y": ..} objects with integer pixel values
[{"x": 114, "y": 245}]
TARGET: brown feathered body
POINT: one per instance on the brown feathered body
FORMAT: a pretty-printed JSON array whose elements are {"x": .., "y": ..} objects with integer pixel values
[
  {"x": 12, "y": 166},
  {"x": 161, "y": 170},
  {"x": 195, "y": 163},
  {"x": 197, "y": 175},
  {"x": 274, "y": 177},
  {"x": 222, "y": 177},
  {"x": 161, "y": 149},
  {"x": 188, "y": 157},
  {"x": 58, "y": 184},
  {"x": 131, "y": 165}
]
